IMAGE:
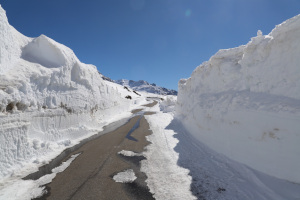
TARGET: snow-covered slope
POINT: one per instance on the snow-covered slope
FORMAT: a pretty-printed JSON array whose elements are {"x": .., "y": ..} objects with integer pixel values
[
  {"x": 245, "y": 102},
  {"x": 146, "y": 87},
  {"x": 48, "y": 99}
]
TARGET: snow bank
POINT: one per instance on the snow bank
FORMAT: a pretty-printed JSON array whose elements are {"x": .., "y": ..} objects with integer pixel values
[
  {"x": 49, "y": 100},
  {"x": 168, "y": 104},
  {"x": 245, "y": 102},
  {"x": 179, "y": 166}
]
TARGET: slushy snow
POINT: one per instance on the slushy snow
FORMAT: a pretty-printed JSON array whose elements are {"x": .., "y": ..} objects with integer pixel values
[{"x": 245, "y": 102}]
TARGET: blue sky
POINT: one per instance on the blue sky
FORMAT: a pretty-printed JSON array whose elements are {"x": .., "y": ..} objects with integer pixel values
[{"x": 159, "y": 41}]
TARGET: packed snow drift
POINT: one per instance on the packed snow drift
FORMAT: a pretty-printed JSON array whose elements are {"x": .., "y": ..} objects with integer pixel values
[
  {"x": 49, "y": 100},
  {"x": 245, "y": 102}
]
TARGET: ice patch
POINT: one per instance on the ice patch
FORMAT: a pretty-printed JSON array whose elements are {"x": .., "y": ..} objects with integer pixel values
[
  {"x": 129, "y": 153},
  {"x": 127, "y": 176},
  {"x": 64, "y": 165}
]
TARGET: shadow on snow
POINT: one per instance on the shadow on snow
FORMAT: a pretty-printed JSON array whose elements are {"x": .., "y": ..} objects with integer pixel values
[{"x": 214, "y": 176}]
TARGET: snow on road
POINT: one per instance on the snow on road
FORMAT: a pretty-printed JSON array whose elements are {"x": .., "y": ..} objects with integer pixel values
[
  {"x": 129, "y": 153},
  {"x": 127, "y": 176},
  {"x": 166, "y": 179},
  {"x": 29, "y": 189}
]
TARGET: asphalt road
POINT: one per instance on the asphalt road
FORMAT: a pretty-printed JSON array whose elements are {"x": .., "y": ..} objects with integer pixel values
[{"x": 90, "y": 175}]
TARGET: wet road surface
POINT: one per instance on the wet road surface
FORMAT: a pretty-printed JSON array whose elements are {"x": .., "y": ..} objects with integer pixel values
[{"x": 90, "y": 175}]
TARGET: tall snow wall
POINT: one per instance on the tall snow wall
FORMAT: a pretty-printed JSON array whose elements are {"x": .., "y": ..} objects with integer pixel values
[
  {"x": 47, "y": 98},
  {"x": 245, "y": 102}
]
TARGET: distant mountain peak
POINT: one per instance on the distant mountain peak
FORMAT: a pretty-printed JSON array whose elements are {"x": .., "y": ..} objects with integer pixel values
[{"x": 142, "y": 85}]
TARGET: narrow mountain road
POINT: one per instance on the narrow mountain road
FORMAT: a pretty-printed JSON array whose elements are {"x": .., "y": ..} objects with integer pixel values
[{"x": 90, "y": 175}]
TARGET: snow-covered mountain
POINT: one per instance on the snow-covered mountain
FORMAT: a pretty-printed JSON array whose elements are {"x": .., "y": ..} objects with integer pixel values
[
  {"x": 245, "y": 102},
  {"x": 48, "y": 99},
  {"x": 146, "y": 87}
]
